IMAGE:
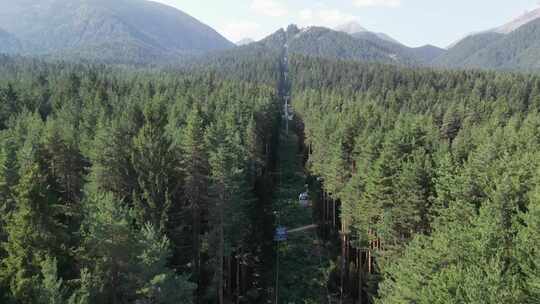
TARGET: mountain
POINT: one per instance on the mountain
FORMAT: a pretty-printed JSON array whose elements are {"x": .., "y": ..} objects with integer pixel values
[
  {"x": 421, "y": 55},
  {"x": 108, "y": 30},
  {"x": 327, "y": 43},
  {"x": 517, "y": 50},
  {"x": 355, "y": 29},
  {"x": 519, "y": 22},
  {"x": 9, "y": 44},
  {"x": 427, "y": 53},
  {"x": 351, "y": 28},
  {"x": 365, "y": 46},
  {"x": 245, "y": 41},
  {"x": 512, "y": 46},
  {"x": 462, "y": 50},
  {"x": 506, "y": 28}
]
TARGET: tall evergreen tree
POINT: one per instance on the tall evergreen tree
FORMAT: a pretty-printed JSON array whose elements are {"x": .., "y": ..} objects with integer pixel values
[
  {"x": 195, "y": 167},
  {"x": 154, "y": 163},
  {"x": 33, "y": 233},
  {"x": 157, "y": 283}
]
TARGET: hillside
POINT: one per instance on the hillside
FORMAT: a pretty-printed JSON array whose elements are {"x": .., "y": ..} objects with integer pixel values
[
  {"x": 120, "y": 30},
  {"x": 460, "y": 52},
  {"x": 326, "y": 43},
  {"x": 330, "y": 44},
  {"x": 517, "y": 50},
  {"x": 427, "y": 53}
]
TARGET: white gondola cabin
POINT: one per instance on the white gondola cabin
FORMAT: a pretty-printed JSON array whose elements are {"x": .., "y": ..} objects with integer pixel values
[{"x": 303, "y": 198}]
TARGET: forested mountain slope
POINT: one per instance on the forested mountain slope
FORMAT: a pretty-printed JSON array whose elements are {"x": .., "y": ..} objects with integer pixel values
[
  {"x": 517, "y": 50},
  {"x": 365, "y": 46},
  {"x": 460, "y": 52},
  {"x": 125, "y": 31}
]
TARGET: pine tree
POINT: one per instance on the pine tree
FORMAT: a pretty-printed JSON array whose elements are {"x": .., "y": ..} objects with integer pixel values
[
  {"x": 52, "y": 287},
  {"x": 195, "y": 169},
  {"x": 111, "y": 156},
  {"x": 86, "y": 291},
  {"x": 528, "y": 242},
  {"x": 32, "y": 234},
  {"x": 8, "y": 180},
  {"x": 223, "y": 168},
  {"x": 109, "y": 247},
  {"x": 157, "y": 283},
  {"x": 155, "y": 164},
  {"x": 8, "y": 105}
]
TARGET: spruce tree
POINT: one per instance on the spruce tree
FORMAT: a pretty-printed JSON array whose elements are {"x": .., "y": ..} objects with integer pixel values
[
  {"x": 52, "y": 290},
  {"x": 195, "y": 171},
  {"x": 32, "y": 234},
  {"x": 109, "y": 247},
  {"x": 158, "y": 284},
  {"x": 154, "y": 163}
]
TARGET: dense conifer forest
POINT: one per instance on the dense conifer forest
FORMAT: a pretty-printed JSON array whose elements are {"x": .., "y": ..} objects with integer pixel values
[{"x": 131, "y": 185}]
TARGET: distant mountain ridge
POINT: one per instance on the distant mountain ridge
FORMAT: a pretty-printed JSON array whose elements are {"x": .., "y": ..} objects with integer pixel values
[
  {"x": 327, "y": 43},
  {"x": 365, "y": 46},
  {"x": 107, "y": 30},
  {"x": 141, "y": 31},
  {"x": 518, "y": 22},
  {"x": 245, "y": 41},
  {"x": 355, "y": 29},
  {"x": 505, "y": 28},
  {"x": 519, "y": 49}
]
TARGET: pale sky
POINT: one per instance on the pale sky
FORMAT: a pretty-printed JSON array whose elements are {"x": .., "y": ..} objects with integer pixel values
[{"x": 413, "y": 22}]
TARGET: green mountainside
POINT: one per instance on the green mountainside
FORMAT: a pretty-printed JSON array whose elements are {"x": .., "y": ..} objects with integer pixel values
[
  {"x": 517, "y": 50},
  {"x": 123, "y": 31}
]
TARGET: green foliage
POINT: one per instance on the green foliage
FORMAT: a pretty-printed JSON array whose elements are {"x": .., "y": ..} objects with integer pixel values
[
  {"x": 90, "y": 154},
  {"x": 32, "y": 234},
  {"x": 438, "y": 166},
  {"x": 159, "y": 284},
  {"x": 52, "y": 289}
]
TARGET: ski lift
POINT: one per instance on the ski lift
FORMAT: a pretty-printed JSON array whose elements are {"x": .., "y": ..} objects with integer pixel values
[{"x": 303, "y": 198}]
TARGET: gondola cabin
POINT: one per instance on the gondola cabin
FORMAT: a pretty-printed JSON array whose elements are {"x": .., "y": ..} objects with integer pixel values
[{"x": 303, "y": 199}]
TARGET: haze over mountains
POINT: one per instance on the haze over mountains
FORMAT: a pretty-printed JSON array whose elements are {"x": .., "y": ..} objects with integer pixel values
[
  {"x": 9, "y": 44},
  {"x": 140, "y": 31}
]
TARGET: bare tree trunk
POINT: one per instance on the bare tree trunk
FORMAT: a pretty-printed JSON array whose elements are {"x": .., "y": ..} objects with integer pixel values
[
  {"x": 334, "y": 213},
  {"x": 238, "y": 279},
  {"x": 343, "y": 265},
  {"x": 221, "y": 252},
  {"x": 196, "y": 249}
]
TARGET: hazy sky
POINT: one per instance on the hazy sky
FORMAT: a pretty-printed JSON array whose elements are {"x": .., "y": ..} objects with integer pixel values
[{"x": 413, "y": 22}]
